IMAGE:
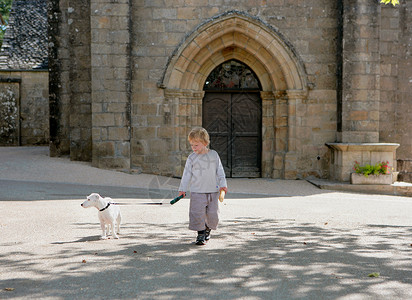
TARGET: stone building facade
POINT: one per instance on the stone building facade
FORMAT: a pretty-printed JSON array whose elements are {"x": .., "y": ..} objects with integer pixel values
[
  {"x": 130, "y": 78},
  {"x": 24, "y": 97}
]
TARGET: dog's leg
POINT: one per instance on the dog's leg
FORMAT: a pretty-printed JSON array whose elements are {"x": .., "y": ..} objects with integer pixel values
[
  {"x": 119, "y": 219},
  {"x": 104, "y": 231},
  {"x": 113, "y": 231}
]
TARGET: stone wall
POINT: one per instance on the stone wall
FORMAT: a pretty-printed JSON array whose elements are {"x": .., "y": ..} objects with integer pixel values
[
  {"x": 70, "y": 79},
  {"x": 34, "y": 109},
  {"x": 396, "y": 83},
  {"x": 111, "y": 83},
  {"x": 58, "y": 50},
  {"x": 360, "y": 72},
  {"x": 25, "y": 95},
  {"x": 308, "y": 30},
  {"x": 331, "y": 71}
]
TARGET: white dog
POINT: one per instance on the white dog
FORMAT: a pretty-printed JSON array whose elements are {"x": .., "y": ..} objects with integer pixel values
[{"x": 109, "y": 214}]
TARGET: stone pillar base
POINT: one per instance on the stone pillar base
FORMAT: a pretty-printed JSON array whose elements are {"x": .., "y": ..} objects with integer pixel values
[
  {"x": 344, "y": 156},
  {"x": 290, "y": 165}
]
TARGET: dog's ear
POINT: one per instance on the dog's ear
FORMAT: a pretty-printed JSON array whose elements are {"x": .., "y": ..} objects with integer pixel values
[{"x": 93, "y": 196}]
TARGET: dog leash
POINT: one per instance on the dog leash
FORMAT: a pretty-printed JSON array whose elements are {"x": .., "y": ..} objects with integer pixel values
[
  {"x": 140, "y": 203},
  {"x": 148, "y": 203}
]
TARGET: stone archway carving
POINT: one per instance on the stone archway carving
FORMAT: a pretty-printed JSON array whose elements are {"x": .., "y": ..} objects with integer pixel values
[{"x": 236, "y": 35}]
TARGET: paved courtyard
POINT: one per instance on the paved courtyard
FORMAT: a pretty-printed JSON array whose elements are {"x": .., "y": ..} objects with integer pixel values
[{"x": 277, "y": 239}]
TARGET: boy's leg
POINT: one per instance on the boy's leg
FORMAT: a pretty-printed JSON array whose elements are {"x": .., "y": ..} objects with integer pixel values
[
  {"x": 207, "y": 233},
  {"x": 212, "y": 211},
  {"x": 201, "y": 238},
  {"x": 197, "y": 211}
]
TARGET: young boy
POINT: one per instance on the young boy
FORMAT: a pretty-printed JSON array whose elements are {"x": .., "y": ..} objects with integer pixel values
[{"x": 205, "y": 175}]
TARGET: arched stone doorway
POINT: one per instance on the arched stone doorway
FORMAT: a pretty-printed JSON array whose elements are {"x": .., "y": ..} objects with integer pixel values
[
  {"x": 232, "y": 114},
  {"x": 236, "y": 35}
]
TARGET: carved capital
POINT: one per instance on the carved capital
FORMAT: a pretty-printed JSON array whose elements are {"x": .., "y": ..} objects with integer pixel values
[{"x": 297, "y": 94}]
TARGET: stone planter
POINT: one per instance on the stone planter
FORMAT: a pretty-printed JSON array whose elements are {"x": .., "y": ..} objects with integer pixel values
[{"x": 356, "y": 178}]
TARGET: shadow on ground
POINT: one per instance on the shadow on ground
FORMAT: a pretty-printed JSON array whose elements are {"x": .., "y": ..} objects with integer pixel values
[
  {"x": 248, "y": 258},
  {"x": 12, "y": 190}
]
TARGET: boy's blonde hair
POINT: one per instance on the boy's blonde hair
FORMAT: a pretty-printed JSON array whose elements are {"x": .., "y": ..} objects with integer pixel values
[{"x": 199, "y": 134}]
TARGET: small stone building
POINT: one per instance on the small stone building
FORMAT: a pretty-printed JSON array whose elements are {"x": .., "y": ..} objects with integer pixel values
[
  {"x": 287, "y": 89},
  {"x": 24, "y": 97}
]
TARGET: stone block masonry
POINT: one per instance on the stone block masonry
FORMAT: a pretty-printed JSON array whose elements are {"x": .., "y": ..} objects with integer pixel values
[
  {"x": 361, "y": 65},
  {"x": 70, "y": 79},
  {"x": 396, "y": 83},
  {"x": 78, "y": 18},
  {"x": 111, "y": 83},
  {"x": 158, "y": 37},
  {"x": 24, "y": 108},
  {"x": 330, "y": 71}
]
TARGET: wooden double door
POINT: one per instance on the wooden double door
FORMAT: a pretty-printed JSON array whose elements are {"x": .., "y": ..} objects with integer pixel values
[{"x": 234, "y": 123}]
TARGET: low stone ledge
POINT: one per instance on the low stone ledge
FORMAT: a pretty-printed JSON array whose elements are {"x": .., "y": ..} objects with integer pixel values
[
  {"x": 395, "y": 189},
  {"x": 377, "y": 147}
]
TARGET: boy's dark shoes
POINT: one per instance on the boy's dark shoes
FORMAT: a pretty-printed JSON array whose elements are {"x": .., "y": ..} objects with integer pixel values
[
  {"x": 200, "y": 240},
  {"x": 207, "y": 233}
]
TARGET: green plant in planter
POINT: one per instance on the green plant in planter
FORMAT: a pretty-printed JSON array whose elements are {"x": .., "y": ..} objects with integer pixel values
[{"x": 381, "y": 168}]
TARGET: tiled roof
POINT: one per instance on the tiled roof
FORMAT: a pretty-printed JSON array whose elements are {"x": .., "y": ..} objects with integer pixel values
[{"x": 25, "y": 41}]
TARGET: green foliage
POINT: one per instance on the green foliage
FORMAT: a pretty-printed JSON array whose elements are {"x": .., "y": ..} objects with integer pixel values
[
  {"x": 378, "y": 169},
  {"x": 5, "y": 7},
  {"x": 394, "y": 2}
]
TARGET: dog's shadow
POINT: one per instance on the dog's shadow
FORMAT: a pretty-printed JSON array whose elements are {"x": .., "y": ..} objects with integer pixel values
[
  {"x": 82, "y": 240},
  {"x": 92, "y": 238}
]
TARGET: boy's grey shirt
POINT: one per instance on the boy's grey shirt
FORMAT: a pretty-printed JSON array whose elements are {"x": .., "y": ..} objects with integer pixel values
[{"x": 203, "y": 173}]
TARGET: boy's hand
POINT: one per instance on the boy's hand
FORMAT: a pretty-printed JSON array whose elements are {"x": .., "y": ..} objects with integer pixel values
[
  {"x": 223, "y": 188},
  {"x": 182, "y": 193},
  {"x": 222, "y": 193}
]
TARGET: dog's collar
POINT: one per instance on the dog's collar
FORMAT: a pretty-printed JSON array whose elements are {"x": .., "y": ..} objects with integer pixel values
[{"x": 108, "y": 204}]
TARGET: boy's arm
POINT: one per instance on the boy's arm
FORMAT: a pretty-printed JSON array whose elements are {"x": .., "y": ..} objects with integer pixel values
[
  {"x": 186, "y": 177},
  {"x": 220, "y": 172}
]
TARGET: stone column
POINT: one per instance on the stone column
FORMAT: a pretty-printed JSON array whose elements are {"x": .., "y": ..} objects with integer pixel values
[
  {"x": 186, "y": 110},
  {"x": 79, "y": 64},
  {"x": 70, "y": 78},
  {"x": 111, "y": 80},
  {"x": 268, "y": 133},
  {"x": 358, "y": 136},
  {"x": 280, "y": 121},
  {"x": 360, "y": 72},
  {"x": 58, "y": 77},
  {"x": 295, "y": 98},
  {"x": 172, "y": 99}
]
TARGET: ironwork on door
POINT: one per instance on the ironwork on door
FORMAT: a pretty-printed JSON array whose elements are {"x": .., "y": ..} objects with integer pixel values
[{"x": 232, "y": 115}]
